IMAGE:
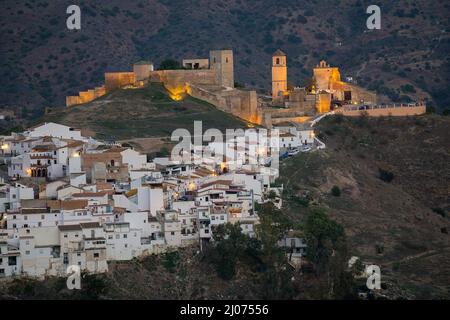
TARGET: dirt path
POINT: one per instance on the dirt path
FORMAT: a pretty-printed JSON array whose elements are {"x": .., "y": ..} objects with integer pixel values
[{"x": 425, "y": 254}]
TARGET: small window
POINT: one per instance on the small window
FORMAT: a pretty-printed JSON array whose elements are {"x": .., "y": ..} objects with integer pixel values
[
  {"x": 125, "y": 236},
  {"x": 96, "y": 255},
  {"x": 172, "y": 233}
]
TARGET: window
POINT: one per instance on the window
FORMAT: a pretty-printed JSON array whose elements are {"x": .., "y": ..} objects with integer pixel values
[
  {"x": 25, "y": 218},
  {"x": 126, "y": 245},
  {"x": 39, "y": 224},
  {"x": 14, "y": 217},
  {"x": 125, "y": 236},
  {"x": 222, "y": 217},
  {"x": 172, "y": 233},
  {"x": 66, "y": 258},
  {"x": 78, "y": 254},
  {"x": 278, "y": 61},
  {"x": 96, "y": 255},
  {"x": 117, "y": 236},
  {"x": 42, "y": 217},
  {"x": 27, "y": 252}
]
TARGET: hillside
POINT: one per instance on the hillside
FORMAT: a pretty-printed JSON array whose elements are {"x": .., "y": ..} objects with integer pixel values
[
  {"x": 42, "y": 61},
  {"x": 143, "y": 117},
  {"x": 401, "y": 222}
]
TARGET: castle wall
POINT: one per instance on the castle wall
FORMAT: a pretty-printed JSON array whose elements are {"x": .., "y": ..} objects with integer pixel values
[
  {"x": 362, "y": 95},
  {"x": 117, "y": 80},
  {"x": 323, "y": 102},
  {"x": 72, "y": 101},
  {"x": 85, "y": 96},
  {"x": 300, "y": 101},
  {"x": 181, "y": 77},
  {"x": 100, "y": 91},
  {"x": 377, "y": 111},
  {"x": 241, "y": 103}
]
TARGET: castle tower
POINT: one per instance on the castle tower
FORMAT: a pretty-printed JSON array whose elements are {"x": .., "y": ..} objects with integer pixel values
[
  {"x": 222, "y": 61},
  {"x": 142, "y": 70},
  {"x": 326, "y": 76},
  {"x": 279, "y": 76}
]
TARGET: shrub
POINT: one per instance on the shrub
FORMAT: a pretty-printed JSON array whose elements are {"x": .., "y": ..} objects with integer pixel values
[
  {"x": 171, "y": 260},
  {"x": 302, "y": 19},
  {"x": 439, "y": 211},
  {"x": 385, "y": 175},
  {"x": 169, "y": 64},
  {"x": 336, "y": 191}
]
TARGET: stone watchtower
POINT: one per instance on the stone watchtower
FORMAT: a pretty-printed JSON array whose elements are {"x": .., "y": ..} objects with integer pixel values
[
  {"x": 279, "y": 76},
  {"x": 326, "y": 76},
  {"x": 222, "y": 61}
]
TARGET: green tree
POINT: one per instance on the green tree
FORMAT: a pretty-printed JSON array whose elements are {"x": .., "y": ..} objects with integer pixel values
[
  {"x": 170, "y": 64},
  {"x": 336, "y": 191},
  {"x": 323, "y": 237},
  {"x": 230, "y": 244},
  {"x": 327, "y": 250}
]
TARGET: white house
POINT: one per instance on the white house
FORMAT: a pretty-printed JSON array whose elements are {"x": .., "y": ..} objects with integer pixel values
[
  {"x": 133, "y": 159},
  {"x": 55, "y": 130}
]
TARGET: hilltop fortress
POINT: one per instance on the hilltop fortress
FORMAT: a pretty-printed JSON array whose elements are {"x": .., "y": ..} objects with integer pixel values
[{"x": 212, "y": 80}]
